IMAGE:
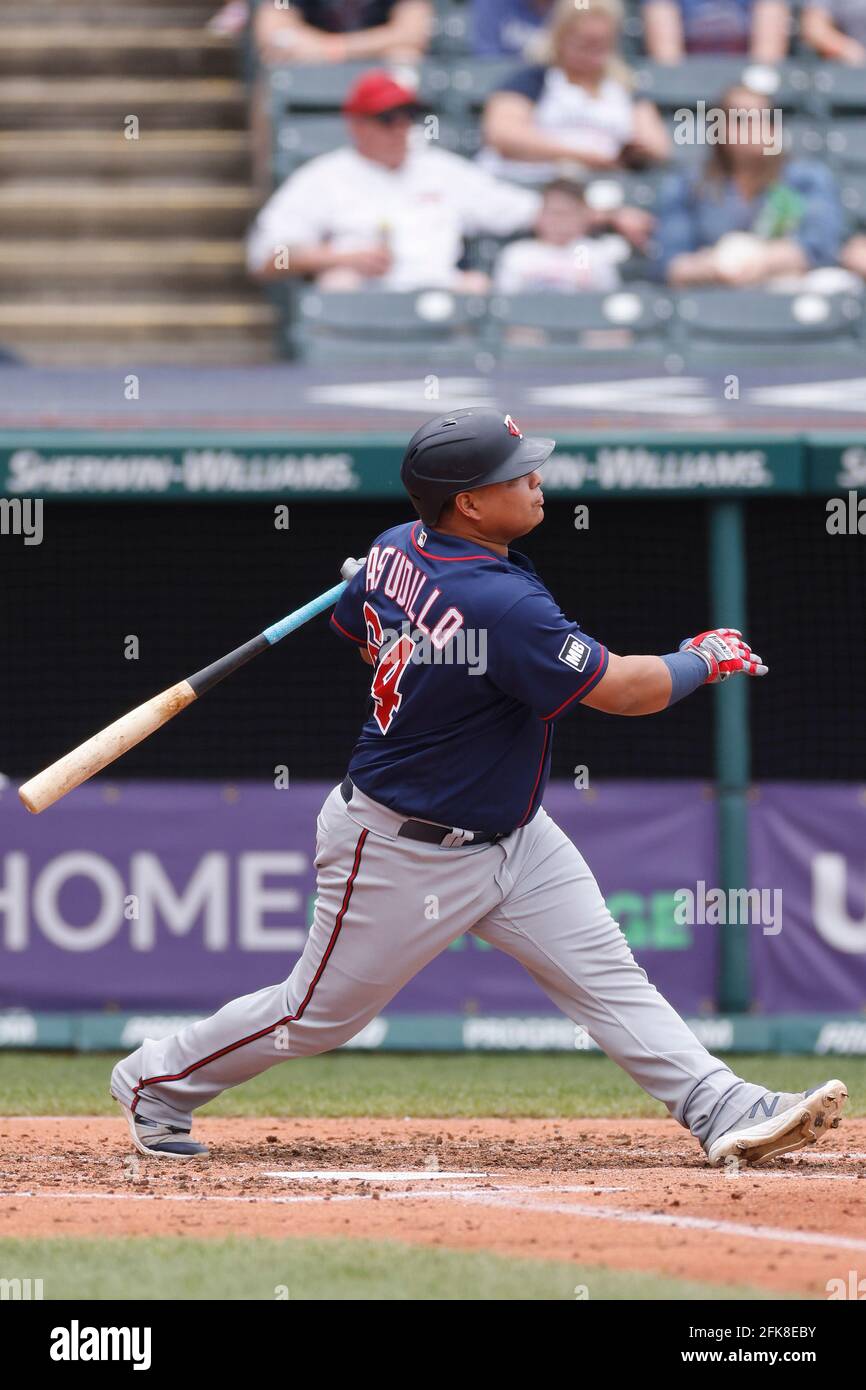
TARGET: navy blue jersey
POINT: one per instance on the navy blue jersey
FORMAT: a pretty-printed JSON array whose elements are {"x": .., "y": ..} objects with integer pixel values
[
  {"x": 475, "y": 662},
  {"x": 344, "y": 16}
]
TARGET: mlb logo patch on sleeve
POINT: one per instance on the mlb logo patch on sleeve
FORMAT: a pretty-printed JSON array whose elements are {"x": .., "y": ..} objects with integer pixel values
[{"x": 574, "y": 653}]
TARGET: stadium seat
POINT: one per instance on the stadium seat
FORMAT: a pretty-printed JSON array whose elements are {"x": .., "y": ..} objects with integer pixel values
[
  {"x": 311, "y": 87},
  {"x": 845, "y": 145},
  {"x": 305, "y": 135},
  {"x": 641, "y": 268},
  {"x": 704, "y": 78},
  {"x": 482, "y": 252},
  {"x": 550, "y": 328},
  {"x": 838, "y": 89},
  {"x": 854, "y": 200},
  {"x": 613, "y": 190},
  {"x": 798, "y": 48},
  {"x": 451, "y": 23},
  {"x": 803, "y": 138},
  {"x": 473, "y": 81},
  {"x": 302, "y": 137},
  {"x": 744, "y": 324},
  {"x": 631, "y": 39},
  {"x": 367, "y": 327}
]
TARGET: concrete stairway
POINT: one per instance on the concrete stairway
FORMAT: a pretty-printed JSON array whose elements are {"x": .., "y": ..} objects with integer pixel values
[{"x": 117, "y": 250}]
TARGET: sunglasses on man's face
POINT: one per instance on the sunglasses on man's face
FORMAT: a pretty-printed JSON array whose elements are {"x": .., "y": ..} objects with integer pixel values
[{"x": 398, "y": 115}]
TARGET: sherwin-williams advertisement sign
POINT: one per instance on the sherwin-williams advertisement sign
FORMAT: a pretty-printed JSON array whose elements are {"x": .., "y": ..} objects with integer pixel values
[
  {"x": 175, "y": 466},
  {"x": 179, "y": 896}
]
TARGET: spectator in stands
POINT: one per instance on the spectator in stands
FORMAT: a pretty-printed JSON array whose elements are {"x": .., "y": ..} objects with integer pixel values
[
  {"x": 576, "y": 109},
  {"x": 231, "y": 19},
  {"x": 502, "y": 27},
  {"x": 564, "y": 255},
  {"x": 750, "y": 216},
  {"x": 836, "y": 29},
  {"x": 853, "y": 256},
  {"x": 673, "y": 28},
  {"x": 388, "y": 210},
  {"x": 328, "y": 31},
  {"x": 341, "y": 31}
]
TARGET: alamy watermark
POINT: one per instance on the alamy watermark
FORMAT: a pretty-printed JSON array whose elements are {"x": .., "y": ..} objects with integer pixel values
[
  {"x": 77, "y": 1343},
  {"x": 22, "y": 516},
  {"x": 21, "y": 1290},
  {"x": 851, "y": 1287},
  {"x": 741, "y": 125},
  {"x": 447, "y": 645},
  {"x": 846, "y": 516},
  {"x": 721, "y": 907}
]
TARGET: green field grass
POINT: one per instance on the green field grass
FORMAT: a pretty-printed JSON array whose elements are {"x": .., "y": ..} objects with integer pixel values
[
  {"x": 243, "y": 1268},
  {"x": 391, "y": 1085},
  {"x": 384, "y": 1085}
]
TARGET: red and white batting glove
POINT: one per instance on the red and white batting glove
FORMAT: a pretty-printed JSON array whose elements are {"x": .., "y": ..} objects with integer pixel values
[{"x": 725, "y": 654}]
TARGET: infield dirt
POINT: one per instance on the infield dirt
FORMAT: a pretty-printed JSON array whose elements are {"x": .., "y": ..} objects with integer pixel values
[{"x": 626, "y": 1194}]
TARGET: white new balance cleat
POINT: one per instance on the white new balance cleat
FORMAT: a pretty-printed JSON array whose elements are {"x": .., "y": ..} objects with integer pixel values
[
  {"x": 160, "y": 1140},
  {"x": 779, "y": 1123}
]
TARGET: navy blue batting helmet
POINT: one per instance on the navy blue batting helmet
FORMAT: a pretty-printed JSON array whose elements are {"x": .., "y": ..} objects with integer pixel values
[{"x": 466, "y": 449}]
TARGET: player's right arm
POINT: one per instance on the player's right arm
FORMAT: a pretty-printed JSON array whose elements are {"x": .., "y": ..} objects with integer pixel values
[
  {"x": 632, "y": 685},
  {"x": 647, "y": 684},
  {"x": 544, "y": 660}
]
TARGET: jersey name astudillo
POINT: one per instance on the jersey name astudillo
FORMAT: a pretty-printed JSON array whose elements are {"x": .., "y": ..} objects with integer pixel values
[{"x": 475, "y": 662}]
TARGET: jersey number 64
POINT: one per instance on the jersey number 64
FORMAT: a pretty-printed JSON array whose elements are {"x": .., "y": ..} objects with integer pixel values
[{"x": 389, "y": 668}]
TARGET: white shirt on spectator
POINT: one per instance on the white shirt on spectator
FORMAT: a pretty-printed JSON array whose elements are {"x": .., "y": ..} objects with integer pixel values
[
  {"x": 424, "y": 209},
  {"x": 598, "y": 123},
  {"x": 584, "y": 264}
]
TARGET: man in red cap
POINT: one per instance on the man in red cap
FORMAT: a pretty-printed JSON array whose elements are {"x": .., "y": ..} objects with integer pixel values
[
  {"x": 391, "y": 209},
  {"x": 329, "y": 31}
]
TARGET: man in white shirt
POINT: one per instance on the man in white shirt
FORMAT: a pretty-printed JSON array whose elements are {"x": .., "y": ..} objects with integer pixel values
[{"x": 390, "y": 210}]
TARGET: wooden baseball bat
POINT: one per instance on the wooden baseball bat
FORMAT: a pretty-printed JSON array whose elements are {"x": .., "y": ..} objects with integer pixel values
[{"x": 112, "y": 742}]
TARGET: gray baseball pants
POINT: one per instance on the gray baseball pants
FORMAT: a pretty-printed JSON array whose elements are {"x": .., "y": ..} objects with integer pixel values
[{"x": 388, "y": 905}]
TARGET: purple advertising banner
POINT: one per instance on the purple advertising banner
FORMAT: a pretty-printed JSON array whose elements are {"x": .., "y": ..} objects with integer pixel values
[
  {"x": 182, "y": 895},
  {"x": 808, "y": 843}
]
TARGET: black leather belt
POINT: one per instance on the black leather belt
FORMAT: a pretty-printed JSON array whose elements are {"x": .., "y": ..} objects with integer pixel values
[{"x": 429, "y": 833}]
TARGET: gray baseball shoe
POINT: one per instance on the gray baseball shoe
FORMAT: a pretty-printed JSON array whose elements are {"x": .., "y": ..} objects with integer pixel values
[
  {"x": 779, "y": 1123},
  {"x": 160, "y": 1140}
]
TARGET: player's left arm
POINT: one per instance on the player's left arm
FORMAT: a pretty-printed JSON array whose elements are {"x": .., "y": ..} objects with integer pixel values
[
  {"x": 634, "y": 685},
  {"x": 347, "y": 619}
]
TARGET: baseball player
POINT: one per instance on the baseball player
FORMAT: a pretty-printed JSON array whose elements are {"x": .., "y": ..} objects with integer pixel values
[{"x": 439, "y": 829}]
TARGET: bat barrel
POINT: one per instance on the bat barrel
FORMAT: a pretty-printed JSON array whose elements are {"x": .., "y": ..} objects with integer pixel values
[{"x": 109, "y": 744}]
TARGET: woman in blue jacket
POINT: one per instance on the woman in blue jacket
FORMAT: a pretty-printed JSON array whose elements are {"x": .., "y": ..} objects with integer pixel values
[{"x": 749, "y": 215}]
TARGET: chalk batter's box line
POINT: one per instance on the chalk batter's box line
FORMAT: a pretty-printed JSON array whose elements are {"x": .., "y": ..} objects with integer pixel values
[
  {"x": 529, "y": 1200},
  {"x": 299, "y": 1198}
]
